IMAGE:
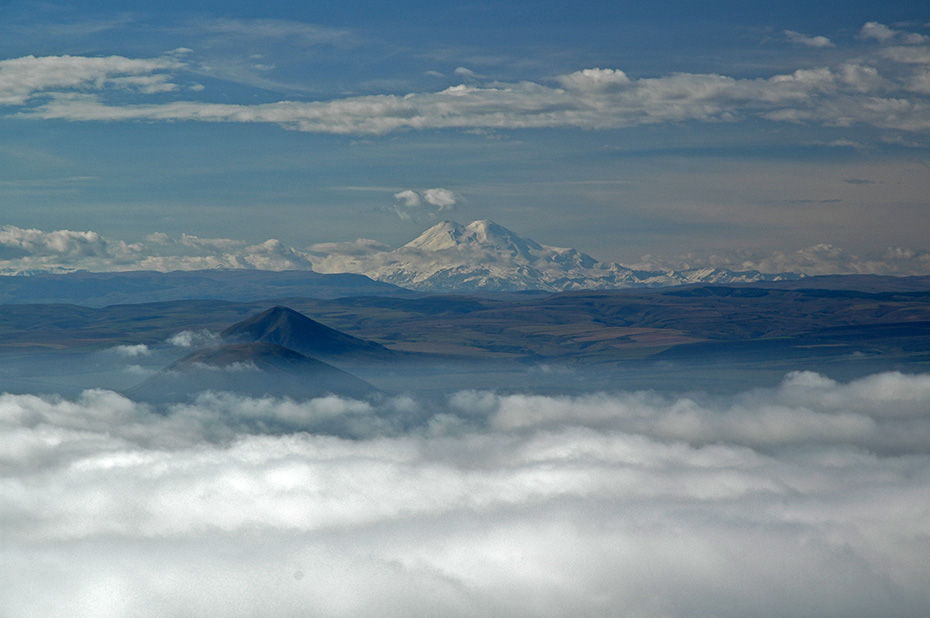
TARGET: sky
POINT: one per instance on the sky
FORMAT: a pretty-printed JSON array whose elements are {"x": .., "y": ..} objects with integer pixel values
[{"x": 674, "y": 131}]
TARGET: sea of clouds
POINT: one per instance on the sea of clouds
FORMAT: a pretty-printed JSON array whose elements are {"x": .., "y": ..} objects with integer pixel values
[{"x": 811, "y": 498}]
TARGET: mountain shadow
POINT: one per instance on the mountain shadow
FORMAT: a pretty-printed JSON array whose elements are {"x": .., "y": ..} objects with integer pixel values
[
  {"x": 253, "y": 369},
  {"x": 285, "y": 327}
]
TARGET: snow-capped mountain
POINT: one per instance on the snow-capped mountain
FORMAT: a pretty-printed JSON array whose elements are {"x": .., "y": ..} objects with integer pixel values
[{"x": 486, "y": 256}]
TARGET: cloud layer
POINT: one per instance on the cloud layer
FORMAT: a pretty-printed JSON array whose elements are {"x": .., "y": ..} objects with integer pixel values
[
  {"x": 624, "y": 504},
  {"x": 882, "y": 83}
]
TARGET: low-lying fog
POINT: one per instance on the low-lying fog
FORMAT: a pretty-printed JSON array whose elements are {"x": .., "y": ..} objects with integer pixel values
[{"x": 810, "y": 498}]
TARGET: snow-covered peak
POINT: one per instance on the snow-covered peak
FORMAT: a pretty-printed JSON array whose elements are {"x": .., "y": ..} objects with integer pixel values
[
  {"x": 487, "y": 256},
  {"x": 481, "y": 235},
  {"x": 443, "y": 235},
  {"x": 490, "y": 235}
]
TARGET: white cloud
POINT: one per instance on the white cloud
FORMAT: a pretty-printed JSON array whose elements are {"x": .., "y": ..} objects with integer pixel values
[
  {"x": 428, "y": 202},
  {"x": 24, "y": 78},
  {"x": 810, "y": 41},
  {"x": 410, "y": 198},
  {"x": 595, "y": 80},
  {"x": 624, "y": 504},
  {"x": 192, "y": 338},
  {"x": 877, "y": 31},
  {"x": 131, "y": 351},
  {"x": 867, "y": 90},
  {"x": 820, "y": 259},
  {"x": 884, "y": 34},
  {"x": 442, "y": 198},
  {"x": 26, "y": 250}
]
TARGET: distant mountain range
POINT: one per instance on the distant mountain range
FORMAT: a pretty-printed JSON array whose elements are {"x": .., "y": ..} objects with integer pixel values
[
  {"x": 448, "y": 257},
  {"x": 483, "y": 255}
]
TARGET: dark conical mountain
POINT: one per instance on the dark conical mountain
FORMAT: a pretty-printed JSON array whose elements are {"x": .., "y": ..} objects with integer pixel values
[
  {"x": 288, "y": 328},
  {"x": 253, "y": 369}
]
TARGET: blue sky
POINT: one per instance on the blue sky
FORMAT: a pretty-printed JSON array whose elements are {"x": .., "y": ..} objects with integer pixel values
[{"x": 676, "y": 131}]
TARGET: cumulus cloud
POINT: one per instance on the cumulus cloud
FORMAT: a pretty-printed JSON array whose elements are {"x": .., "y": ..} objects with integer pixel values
[
  {"x": 411, "y": 204},
  {"x": 612, "y": 504},
  {"x": 26, "y": 250},
  {"x": 17, "y": 242}
]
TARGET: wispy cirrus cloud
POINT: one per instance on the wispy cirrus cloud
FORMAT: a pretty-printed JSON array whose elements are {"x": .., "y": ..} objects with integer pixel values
[{"x": 299, "y": 33}]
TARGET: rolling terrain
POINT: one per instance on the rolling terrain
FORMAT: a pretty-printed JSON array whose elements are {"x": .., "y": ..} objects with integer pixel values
[{"x": 844, "y": 326}]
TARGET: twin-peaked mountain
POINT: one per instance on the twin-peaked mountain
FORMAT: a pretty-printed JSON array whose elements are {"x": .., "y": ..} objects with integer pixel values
[
  {"x": 274, "y": 353},
  {"x": 486, "y": 256}
]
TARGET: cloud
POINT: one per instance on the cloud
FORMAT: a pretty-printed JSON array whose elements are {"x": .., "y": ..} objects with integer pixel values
[
  {"x": 819, "y": 259},
  {"x": 192, "y": 339},
  {"x": 17, "y": 242},
  {"x": 409, "y": 198},
  {"x": 884, "y": 34},
  {"x": 442, "y": 198},
  {"x": 131, "y": 351},
  {"x": 32, "y": 250},
  {"x": 27, "y": 250},
  {"x": 429, "y": 202},
  {"x": 880, "y": 90},
  {"x": 613, "y": 504},
  {"x": 810, "y": 41},
  {"x": 293, "y": 31},
  {"x": 22, "y": 79},
  {"x": 823, "y": 96}
]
